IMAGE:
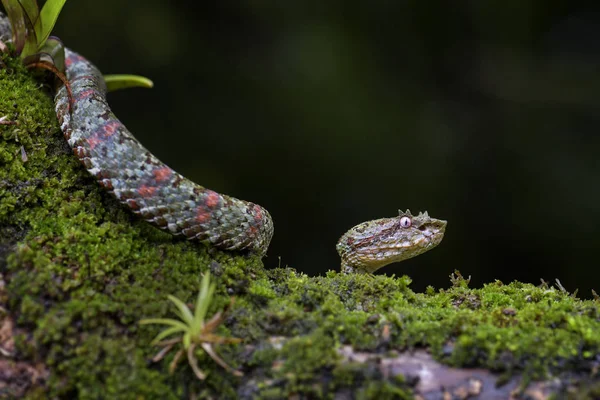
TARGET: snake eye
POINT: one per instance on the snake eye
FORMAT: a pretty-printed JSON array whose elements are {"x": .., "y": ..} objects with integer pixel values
[{"x": 405, "y": 222}]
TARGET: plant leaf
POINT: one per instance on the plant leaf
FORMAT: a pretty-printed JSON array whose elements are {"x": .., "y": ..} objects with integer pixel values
[
  {"x": 16, "y": 16},
  {"x": 213, "y": 322},
  {"x": 162, "y": 353},
  {"x": 184, "y": 312},
  {"x": 47, "y": 20},
  {"x": 203, "y": 302},
  {"x": 54, "y": 48},
  {"x": 193, "y": 361},
  {"x": 52, "y": 52},
  {"x": 164, "y": 321},
  {"x": 213, "y": 354},
  {"x": 168, "y": 332},
  {"x": 116, "y": 82},
  {"x": 186, "y": 340},
  {"x": 175, "y": 361},
  {"x": 31, "y": 12}
]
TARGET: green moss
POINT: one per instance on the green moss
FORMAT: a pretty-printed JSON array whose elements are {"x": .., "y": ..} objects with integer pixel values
[
  {"x": 261, "y": 290},
  {"x": 384, "y": 390},
  {"x": 81, "y": 271}
]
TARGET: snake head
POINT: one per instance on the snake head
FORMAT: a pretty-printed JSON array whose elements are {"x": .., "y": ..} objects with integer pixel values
[{"x": 373, "y": 244}]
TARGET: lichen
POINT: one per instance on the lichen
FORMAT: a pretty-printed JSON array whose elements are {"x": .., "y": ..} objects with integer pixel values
[{"x": 81, "y": 271}]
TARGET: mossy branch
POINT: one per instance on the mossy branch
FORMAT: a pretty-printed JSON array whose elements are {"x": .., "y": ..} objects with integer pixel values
[{"x": 79, "y": 272}]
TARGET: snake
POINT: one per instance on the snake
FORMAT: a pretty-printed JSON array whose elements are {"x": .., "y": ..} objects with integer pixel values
[{"x": 169, "y": 201}]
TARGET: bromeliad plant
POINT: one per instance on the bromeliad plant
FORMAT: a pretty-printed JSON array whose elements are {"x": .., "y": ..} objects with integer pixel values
[
  {"x": 31, "y": 28},
  {"x": 193, "y": 331},
  {"x": 31, "y": 38}
]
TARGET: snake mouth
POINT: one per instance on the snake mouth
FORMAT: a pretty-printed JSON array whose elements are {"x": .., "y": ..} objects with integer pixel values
[{"x": 433, "y": 232}]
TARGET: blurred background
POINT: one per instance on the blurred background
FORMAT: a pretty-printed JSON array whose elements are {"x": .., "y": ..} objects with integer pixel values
[{"x": 486, "y": 114}]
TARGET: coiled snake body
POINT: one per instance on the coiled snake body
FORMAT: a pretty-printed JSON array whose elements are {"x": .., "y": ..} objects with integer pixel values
[
  {"x": 146, "y": 185},
  {"x": 173, "y": 203}
]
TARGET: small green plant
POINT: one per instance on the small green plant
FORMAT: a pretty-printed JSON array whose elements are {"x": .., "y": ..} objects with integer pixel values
[
  {"x": 193, "y": 331},
  {"x": 31, "y": 38},
  {"x": 31, "y": 28}
]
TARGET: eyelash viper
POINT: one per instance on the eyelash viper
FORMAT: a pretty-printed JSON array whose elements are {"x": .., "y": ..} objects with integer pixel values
[{"x": 173, "y": 203}]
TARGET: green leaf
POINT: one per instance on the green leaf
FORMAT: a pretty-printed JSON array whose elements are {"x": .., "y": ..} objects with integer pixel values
[
  {"x": 16, "y": 16},
  {"x": 47, "y": 20},
  {"x": 116, "y": 82},
  {"x": 32, "y": 16},
  {"x": 187, "y": 340},
  {"x": 164, "y": 321},
  {"x": 184, "y": 312},
  {"x": 32, "y": 11},
  {"x": 53, "y": 52},
  {"x": 167, "y": 332},
  {"x": 203, "y": 302},
  {"x": 56, "y": 50}
]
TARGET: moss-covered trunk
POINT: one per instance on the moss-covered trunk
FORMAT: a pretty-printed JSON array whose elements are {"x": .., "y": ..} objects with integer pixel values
[{"x": 79, "y": 272}]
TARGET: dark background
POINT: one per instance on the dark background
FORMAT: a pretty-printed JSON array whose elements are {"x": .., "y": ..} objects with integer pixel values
[{"x": 484, "y": 113}]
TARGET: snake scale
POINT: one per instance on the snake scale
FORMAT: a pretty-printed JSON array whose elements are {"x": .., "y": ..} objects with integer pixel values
[{"x": 169, "y": 201}]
